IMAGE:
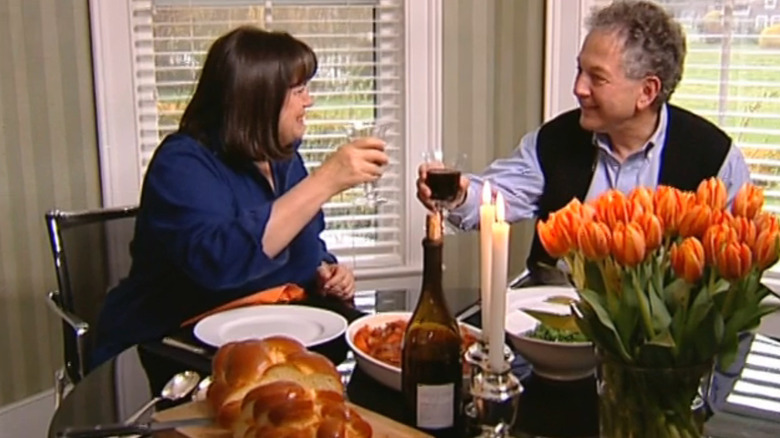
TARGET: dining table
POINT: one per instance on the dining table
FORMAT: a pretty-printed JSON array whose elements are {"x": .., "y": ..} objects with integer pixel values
[{"x": 547, "y": 408}]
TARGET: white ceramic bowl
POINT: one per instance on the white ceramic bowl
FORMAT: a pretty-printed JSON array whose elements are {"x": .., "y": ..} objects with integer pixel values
[
  {"x": 385, "y": 374},
  {"x": 556, "y": 360},
  {"x": 553, "y": 360}
]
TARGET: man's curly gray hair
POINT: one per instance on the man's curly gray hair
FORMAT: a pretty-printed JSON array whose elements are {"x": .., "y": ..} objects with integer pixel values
[{"x": 653, "y": 42}]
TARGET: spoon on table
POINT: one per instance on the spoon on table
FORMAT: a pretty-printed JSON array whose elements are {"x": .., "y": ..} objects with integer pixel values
[
  {"x": 178, "y": 387},
  {"x": 203, "y": 387}
]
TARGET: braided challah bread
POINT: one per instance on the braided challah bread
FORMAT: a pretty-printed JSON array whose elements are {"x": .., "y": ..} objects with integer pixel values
[{"x": 274, "y": 387}]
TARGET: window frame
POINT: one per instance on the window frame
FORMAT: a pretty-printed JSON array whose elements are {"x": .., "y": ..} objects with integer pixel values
[
  {"x": 117, "y": 133},
  {"x": 563, "y": 36}
]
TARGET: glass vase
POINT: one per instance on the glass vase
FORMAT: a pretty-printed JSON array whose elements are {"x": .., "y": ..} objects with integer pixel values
[{"x": 637, "y": 402}]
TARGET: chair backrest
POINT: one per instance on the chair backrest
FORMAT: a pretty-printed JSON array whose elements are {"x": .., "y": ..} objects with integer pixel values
[{"x": 91, "y": 254}]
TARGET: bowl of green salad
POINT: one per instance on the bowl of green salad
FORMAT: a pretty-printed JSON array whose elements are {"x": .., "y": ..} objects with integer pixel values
[{"x": 540, "y": 327}]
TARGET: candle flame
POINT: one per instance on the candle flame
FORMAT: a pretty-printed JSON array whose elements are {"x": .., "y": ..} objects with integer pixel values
[
  {"x": 486, "y": 194},
  {"x": 499, "y": 207}
]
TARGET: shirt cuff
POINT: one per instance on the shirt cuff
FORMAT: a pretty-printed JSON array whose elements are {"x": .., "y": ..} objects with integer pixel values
[
  {"x": 466, "y": 216},
  {"x": 329, "y": 259}
]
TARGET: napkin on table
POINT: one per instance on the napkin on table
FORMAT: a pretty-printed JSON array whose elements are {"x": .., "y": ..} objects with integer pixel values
[{"x": 279, "y": 294}]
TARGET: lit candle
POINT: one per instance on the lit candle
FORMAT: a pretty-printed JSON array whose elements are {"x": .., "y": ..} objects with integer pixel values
[
  {"x": 487, "y": 215},
  {"x": 500, "y": 248}
]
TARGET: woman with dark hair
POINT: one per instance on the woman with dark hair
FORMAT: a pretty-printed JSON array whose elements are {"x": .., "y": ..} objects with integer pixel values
[{"x": 227, "y": 207}]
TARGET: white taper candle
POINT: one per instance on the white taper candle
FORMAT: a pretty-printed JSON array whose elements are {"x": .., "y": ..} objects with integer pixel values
[
  {"x": 496, "y": 324},
  {"x": 487, "y": 215}
]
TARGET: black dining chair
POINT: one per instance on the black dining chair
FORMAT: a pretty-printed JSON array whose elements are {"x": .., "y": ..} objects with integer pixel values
[{"x": 91, "y": 253}]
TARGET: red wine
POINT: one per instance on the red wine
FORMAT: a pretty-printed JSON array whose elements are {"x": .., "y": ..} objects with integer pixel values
[{"x": 444, "y": 184}]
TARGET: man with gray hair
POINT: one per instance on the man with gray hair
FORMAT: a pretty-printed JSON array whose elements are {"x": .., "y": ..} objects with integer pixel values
[{"x": 623, "y": 135}]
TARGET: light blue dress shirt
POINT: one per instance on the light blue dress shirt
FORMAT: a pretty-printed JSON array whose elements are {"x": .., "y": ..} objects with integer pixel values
[{"x": 520, "y": 180}]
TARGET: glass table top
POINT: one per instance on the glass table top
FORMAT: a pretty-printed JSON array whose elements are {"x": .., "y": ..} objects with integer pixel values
[{"x": 547, "y": 408}]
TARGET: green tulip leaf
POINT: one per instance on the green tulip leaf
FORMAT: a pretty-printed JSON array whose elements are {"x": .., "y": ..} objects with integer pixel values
[
  {"x": 663, "y": 339},
  {"x": 720, "y": 286},
  {"x": 593, "y": 330},
  {"x": 658, "y": 311},
  {"x": 594, "y": 301},
  {"x": 677, "y": 293},
  {"x": 702, "y": 304},
  {"x": 593, "y": 274}
]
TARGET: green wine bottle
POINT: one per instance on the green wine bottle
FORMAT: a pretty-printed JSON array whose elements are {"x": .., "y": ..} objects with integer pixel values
[{"x": 432, "y": 369}]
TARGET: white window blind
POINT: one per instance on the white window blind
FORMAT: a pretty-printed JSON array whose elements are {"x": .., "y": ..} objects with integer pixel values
[{"x": 361, "y": 77}]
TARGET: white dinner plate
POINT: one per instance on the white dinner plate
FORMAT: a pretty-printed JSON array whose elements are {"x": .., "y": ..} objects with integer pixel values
[
  {"x": 309, "y": 325},
  {"x": 517, "y": 321}
]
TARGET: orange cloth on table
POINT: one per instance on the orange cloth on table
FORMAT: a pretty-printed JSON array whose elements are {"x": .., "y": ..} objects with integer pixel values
[{"x": 279, "y": 294}]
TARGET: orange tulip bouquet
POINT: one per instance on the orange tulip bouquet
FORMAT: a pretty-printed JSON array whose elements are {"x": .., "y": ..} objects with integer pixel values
[{"x": 668, "y": 280}]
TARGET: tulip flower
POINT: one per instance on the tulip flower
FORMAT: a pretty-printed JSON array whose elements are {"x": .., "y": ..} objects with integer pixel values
[
  {"x": 687, "y": 259},
  {"x": 694, "y": 222},
  {"x": 721, "y": 217},
  {"x": 670, "y": 204},
  {"x": 640, "y": 200},
  {"x": 766, "y": 221},
  {"x": 745, "y": 228},
  {"x": 712, "y": 192},
  {"x": 734, "y": 260},
  {"x": 715, "y": 238},
  {"x": 572, "y": 217},
  {"x": 554, "y": 237},
  {"x": 594, "y": 240},
  {"x": 584, "y": 211},
  {"x": 666, "y": 277},
  {"x": 748, "y": 201},
  {"x": 766, "y": 248},
  {"x": 612, "y": 208},
  {"x": 628, "y": 244},
  {"x": 687, "y": 200},
  {"x": 653, "y": 230}
]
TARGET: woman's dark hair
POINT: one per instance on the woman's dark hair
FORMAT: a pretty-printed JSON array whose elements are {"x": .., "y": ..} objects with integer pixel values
[{"x": 241, "y": 91}]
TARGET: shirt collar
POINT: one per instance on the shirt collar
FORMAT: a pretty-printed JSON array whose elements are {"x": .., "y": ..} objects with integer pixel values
[
  {"x": 654, "y": 143},
  {"x": 217, "y": 147}
]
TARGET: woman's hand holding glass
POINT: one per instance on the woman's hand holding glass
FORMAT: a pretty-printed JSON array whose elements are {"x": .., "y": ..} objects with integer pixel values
[
  {"x": 378, "y": 130},
  {"x": 357, "y": 162}
]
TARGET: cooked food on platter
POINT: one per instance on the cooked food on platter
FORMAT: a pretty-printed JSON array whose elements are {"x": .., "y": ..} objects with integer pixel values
[{"x": 384, "y": 342}]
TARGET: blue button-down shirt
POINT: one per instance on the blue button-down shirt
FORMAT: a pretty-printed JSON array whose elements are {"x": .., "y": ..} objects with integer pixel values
[
  {"x": 521, "y": 181},
  {"x": 198, "y": 242}
]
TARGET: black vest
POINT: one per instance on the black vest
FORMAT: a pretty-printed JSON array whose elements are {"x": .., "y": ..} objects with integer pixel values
[{"x": 695, "y": 150}]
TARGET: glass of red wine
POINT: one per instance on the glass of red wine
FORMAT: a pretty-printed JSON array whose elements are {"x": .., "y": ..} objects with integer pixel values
[
  {"x": 443, "y": 178},
  {"x": 373, "y": 128}
]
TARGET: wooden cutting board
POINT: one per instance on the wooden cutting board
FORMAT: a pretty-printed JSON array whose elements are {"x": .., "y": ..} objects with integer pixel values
[{"x": 383, "y": 427}]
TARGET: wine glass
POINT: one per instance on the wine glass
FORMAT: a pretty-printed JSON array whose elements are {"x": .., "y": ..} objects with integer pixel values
[
  {"x": 376, "y": 128},
  {"x": 443, "y": 179}
]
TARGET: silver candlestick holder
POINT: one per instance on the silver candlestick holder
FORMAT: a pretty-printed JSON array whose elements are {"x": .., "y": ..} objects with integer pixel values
[
  {"x": 495, "y": 393},
  {"x": 476, "y": 357}
]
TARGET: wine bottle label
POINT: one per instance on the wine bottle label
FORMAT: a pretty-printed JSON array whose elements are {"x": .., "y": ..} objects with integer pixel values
[{"x": 435, "y": 406}]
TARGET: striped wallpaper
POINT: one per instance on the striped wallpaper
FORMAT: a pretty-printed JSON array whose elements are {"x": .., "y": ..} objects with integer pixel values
[
  {"x": 48, "y": 156},
  {"x": 493, "y": 69}
]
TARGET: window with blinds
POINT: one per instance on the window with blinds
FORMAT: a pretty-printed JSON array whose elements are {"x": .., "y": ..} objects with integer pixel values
[{"x": 360, "y": 48}]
